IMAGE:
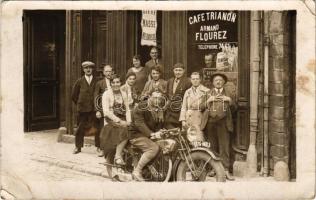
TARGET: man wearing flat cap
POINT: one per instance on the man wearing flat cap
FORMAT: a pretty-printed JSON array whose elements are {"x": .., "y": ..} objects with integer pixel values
[
  {"x": 176, "y": 87},
  {"x": 221, "y": 104},
  {"x": 82, "y": 96}
]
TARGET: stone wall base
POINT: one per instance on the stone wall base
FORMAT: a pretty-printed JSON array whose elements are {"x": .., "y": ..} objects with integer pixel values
[
  {"x": 281, "y": 171},
  {"x": 67, "y": 138}
]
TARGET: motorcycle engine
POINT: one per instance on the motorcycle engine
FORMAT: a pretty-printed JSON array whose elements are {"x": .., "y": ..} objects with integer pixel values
[{"x": 167, "y": 145}]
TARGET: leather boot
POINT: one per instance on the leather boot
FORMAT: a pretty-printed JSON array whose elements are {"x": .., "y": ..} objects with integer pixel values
[
  {"x": 137, "y": 175},
  {"x": 77, "y": 150},
  {"x": 228, "y": 176}
]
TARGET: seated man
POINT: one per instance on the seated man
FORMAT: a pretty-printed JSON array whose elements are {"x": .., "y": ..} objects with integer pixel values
[{"x": 147, "y": 120}]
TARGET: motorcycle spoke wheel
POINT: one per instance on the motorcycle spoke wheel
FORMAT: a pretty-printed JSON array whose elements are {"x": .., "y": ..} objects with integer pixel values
[{"x": 200, "y": 165}]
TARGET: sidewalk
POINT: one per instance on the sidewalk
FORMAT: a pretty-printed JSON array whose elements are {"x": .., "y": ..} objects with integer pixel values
[{"x": 45, "y": 148}]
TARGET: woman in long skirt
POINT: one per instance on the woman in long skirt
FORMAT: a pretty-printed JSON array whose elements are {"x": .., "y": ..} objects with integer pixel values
[{"x": 117, "y": 119}]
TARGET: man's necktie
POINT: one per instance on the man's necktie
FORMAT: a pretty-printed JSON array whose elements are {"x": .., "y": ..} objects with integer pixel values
[{"x": 175, "y": 85}]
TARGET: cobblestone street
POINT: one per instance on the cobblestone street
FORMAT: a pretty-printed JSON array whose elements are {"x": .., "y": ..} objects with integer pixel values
[
  {"x": 47, "y": 172},
  {"x": 40, "y": 159}
]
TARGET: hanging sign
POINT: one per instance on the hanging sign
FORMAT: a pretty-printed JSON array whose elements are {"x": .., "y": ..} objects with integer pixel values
[{"x": 149, "y": 28}]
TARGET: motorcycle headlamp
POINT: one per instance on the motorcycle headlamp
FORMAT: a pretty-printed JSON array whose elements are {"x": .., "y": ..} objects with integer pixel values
[{"x": 194, "y": 135}]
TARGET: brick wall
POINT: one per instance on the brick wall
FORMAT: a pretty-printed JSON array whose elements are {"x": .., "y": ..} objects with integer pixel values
[{"x": 279, "y": 87}]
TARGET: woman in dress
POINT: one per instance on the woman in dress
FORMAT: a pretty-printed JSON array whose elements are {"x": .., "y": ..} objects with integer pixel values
[
  {"x": 156, "y": 84},
  {"x": 141, "y": 74},
  {"x": 117, "y": 118}
]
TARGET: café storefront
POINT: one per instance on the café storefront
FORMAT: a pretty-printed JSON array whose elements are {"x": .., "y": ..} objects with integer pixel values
[{"x": 250, "y": 46}]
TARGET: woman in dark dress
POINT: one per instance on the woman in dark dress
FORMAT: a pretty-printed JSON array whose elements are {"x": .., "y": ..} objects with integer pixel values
[{"x": 117, "y": 118}]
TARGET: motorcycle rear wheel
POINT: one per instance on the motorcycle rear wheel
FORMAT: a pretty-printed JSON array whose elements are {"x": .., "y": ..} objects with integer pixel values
[
  {"x": 203, "y": 164},
  {"x": 161, "y": 164}
]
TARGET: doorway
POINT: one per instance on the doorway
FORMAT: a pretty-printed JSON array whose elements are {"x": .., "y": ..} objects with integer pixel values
[{"x": 43, "y": 34}]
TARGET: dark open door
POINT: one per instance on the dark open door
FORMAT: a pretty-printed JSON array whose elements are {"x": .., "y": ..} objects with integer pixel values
[{"x": 43, "y": 40}]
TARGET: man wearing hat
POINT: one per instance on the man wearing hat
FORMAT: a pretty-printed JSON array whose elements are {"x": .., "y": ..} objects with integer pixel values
[
  {"x": 82, "y": 96},
  {"x": 176, "y": 87},
  {"x": 220, "y": 105}
]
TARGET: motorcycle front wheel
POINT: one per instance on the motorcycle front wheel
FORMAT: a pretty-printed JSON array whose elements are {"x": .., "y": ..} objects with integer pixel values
[{"x": 201, "y": 165}]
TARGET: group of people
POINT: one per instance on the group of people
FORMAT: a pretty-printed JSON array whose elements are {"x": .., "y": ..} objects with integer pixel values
[{"x": 139, "y": 109}]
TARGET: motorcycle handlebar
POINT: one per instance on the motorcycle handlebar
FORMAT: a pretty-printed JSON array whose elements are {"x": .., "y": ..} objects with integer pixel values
[{"x": 173, "y": 131}]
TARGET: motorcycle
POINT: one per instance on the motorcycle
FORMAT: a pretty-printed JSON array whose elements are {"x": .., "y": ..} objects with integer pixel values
[{"x": 178, "y": 160}]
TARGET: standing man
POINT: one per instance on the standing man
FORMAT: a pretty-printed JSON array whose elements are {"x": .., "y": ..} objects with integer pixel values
[
  {"x": 154, "y": 54},
  {"x": 193, "y": 109},
  {"x": 220, "y": 124},
  {"x": 82, "y": 96},
  {"x": 176, "y": 88},
  {"x": 100, "y": 87}
]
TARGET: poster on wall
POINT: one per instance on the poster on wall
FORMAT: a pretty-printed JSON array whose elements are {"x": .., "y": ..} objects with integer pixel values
[
  {"x": 213, "y": 42},
  {"x": 149, "y": 28}
]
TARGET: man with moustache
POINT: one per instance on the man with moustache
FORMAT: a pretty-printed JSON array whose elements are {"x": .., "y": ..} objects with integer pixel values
[
  {"x": 82, "y": 96},
  {"x": 100, "y": 87},
  {"x": 154, "y": 54},
  {"x": 220, "y": 104},
  {"x": 176, "y": 87}
]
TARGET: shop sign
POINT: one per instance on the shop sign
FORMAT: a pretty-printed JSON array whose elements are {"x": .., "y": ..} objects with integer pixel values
[
  {"x": 213, "y": 33},
  {"x": 149, "y": 28}
]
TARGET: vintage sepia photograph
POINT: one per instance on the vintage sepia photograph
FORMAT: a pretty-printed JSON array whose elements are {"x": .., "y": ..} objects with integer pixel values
[{"x": 141, "y": 101}]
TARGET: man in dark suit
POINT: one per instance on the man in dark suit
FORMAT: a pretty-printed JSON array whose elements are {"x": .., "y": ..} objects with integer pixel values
[
  {"x": 82, "y": 96},
  {"x": 154, "y": 54},
  {"x": 100, "y": 87},
  {"x": 220, "y": 104},
  {"x": 176, "y": 88},
  {"x": 147, "y": 121}
]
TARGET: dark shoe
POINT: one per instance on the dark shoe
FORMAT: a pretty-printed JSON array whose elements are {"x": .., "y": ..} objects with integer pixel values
[
  {"x": 211, "y": 173},
  {"x": 119, "y": 161},
  {"x": 76, "y": 150},
  {"x": 100, "y": 152},
  {"x": 137, "y": 176},
  {"x": 229, "y": 177}
]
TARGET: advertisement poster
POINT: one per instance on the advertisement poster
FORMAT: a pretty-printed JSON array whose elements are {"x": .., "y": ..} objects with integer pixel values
[
  {"x": 215, "y": 34},
  {"x": 149, "y": 28}
]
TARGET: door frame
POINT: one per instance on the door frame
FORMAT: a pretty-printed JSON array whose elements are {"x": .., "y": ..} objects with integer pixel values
[{"x": 27, "y": 64}]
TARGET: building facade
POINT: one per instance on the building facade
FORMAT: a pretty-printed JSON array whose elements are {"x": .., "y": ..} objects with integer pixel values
[{"x": 262, "y": 69}]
